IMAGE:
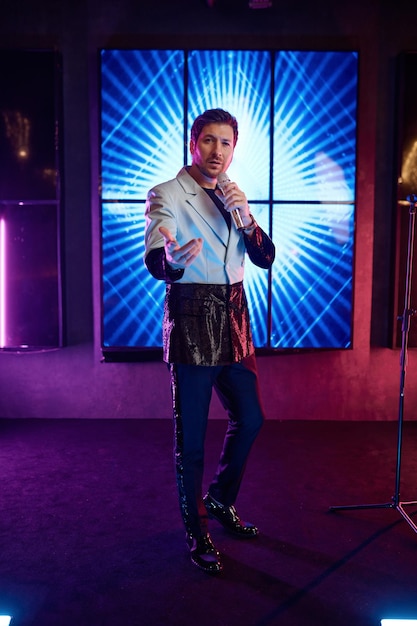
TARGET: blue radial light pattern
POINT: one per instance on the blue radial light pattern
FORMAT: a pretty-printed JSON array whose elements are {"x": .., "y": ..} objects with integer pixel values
[
  {"x": 239, "y": 82},
  {"x": 315, "y": 126},
  {"x": 142, "y": 120},
  {"x": 302, "y": 191},
  {"x": 312, "y": 276},
  {"x": 256, "y": 288},
  {"x": 132, "y": 299}
]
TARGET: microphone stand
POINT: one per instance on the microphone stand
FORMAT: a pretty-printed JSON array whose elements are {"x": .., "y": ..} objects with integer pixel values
[{"x": 405, "y": 326}]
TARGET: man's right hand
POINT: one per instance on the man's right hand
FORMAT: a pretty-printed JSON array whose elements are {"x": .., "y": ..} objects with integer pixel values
[{"x": 180, "y": 257}]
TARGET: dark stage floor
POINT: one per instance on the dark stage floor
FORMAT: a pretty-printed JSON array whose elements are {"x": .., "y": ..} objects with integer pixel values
[{"x": 91, "y": 533}]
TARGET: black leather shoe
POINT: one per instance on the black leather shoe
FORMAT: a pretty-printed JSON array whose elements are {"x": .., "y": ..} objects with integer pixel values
[
  {"x": 203, "y": 553},
  {"x": 229, "y": 519}
]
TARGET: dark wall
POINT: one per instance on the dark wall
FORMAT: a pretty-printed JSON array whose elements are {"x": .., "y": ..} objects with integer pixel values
[{"x": 72, "y": 382}]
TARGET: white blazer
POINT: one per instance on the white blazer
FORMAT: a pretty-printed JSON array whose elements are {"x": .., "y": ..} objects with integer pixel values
[{"x": 188, "y": 212}]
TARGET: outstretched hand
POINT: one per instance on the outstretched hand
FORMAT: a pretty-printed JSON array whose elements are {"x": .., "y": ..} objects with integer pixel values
[{"x": 180, "y": 257}]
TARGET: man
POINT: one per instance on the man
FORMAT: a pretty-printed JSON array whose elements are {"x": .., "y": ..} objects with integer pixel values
[{"x": 194, "y": 246}]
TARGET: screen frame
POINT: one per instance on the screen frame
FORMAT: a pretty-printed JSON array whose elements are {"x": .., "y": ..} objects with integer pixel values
[{"x": 116, "y": 353}]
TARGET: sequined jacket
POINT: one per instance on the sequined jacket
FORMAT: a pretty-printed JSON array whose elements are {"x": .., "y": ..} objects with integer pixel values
[{"x": 206, "y": 317}]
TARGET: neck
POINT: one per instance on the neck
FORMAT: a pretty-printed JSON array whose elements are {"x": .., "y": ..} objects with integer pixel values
[{"x": 204, "y": 181}]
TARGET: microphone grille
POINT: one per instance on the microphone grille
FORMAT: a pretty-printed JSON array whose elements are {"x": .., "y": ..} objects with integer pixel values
[{"x": 222, "y": 178}]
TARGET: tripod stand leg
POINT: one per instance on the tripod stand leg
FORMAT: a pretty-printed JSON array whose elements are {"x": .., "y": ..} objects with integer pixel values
[
  {"x": 405, "y": 516},
  {"x": 347, "y": 507}
]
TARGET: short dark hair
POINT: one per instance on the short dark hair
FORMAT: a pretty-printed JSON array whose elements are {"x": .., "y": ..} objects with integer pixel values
[{"x": 214, "y": 116}]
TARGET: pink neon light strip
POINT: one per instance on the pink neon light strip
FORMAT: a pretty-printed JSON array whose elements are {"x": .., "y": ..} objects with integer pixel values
[{"x": 2, "y": 283}]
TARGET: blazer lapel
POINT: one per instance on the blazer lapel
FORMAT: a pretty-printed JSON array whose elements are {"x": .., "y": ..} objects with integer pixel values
[
  {"x": 201, "y": 202},
  {"x": 208, "y": 211}
]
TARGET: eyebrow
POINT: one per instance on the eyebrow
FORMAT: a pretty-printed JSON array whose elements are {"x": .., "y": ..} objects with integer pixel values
[{"x": 212, "y": 136}]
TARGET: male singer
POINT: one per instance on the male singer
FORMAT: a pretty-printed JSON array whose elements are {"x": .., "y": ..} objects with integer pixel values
[{"x": 193, "y": 244}]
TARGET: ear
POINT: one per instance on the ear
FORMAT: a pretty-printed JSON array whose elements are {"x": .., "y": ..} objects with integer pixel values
[{"x": 192, "y": 146}]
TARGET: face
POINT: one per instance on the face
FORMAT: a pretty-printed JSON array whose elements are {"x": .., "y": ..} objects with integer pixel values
[{"x": 213, "y": 151}]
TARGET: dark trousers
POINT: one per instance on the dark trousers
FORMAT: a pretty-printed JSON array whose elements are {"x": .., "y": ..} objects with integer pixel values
[{"x": 237, "y": 388}]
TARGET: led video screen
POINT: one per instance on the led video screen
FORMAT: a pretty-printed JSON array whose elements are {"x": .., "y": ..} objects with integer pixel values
[{"x": 295, "y": 159}]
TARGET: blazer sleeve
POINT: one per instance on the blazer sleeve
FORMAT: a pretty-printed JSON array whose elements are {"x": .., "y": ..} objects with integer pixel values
[
  {"x": 157, "y": 265},
  {"x": 158, "y": 212},
  {"x": 260, "y": 248}
]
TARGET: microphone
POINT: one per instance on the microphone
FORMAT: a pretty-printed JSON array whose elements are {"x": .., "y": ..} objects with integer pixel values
[{"x": 222, "y": 180}]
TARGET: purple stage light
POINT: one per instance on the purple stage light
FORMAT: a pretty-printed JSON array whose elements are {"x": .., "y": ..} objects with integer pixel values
[{"x": 2, "y": 283}]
